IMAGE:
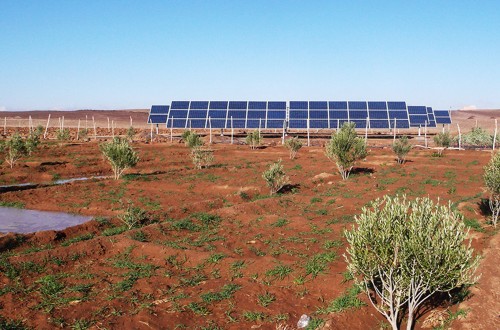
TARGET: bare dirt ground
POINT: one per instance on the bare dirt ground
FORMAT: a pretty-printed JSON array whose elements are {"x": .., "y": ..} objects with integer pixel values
[{"x": 218, "y": 251}]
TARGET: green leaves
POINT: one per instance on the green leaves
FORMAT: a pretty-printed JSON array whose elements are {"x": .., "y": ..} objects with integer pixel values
[
  {"x": 345, "y": 148},
  {"x": 254, "y": 139},
  {"x": 120, "y": 155},
  {"x": 401, "y": 148},
  {"x": 492, "y": 182},
  {"x": 275, "y": 177}
]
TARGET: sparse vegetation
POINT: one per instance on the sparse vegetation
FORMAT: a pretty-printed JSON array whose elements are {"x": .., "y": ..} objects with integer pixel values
[
  {"x": 15, "y": 148},
  {"x": 63, "y": 134},
  {"x": 275, "y": 177},
  {"x": 492, "y": 182},
  {"x": 404, "y": 251},
  {"x": 202, "y": 157},
  {"x": 345, "y": 148},
  {"x": 120, "y": 155},
  {"x": 401, "y": 148},
  {"x": 293, "y": 145},
  {"x": 477, "y": 137},
  {"x": 254, "y": 139},
  {"x": 192, "y": 140},
  {"x": 442, "y": 141},
  {"x": 133, "y": 216}
]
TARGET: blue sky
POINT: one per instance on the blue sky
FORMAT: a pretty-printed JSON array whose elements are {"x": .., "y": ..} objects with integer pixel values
[{"x": 131, "y": 54}]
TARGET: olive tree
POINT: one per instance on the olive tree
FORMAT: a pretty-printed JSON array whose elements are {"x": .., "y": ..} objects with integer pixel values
[
  {"x": 15, "y": 148},
  {"x": 120, "y": 155},
  {"x": 492, "y": 181},
  {"x": 254, "y": 139},
  {"x": 401, "y": 148},
  {"x": 442, "y": 141},
  {"x": 293, "y": 145},
  {"x": 345, "y": 148},
  {"x": 275, "y": 177},
  {"x": 403, "y": 252}
]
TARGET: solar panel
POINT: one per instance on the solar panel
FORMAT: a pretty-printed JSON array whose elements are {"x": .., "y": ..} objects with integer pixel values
[
  {"x": 157, "y": 119},
  {"x": 216, "y": 123},
  {"x": 274, "y": 123},
  {"x": 159, "y": 109},
  {"x": 197, "y": 114},
  {"x": 359, "y": 123},
  {"x": 418, "y": 120},
  {"x": 276, "y": 105},
  {"x": 198, "y": 105},
  {"x": 358, "y": 114},
  {"x": 378, "y": 114},
  {"x": 257, "y": 105},
  {"x": 356, "y": 105},
  {"x": 299, "y": 114},
  {"x": 318, "y": 114},
  {"x": 398, "y": 114},
  {"x": 377, "y": 106},
  {"x": 417, "y": 110},
  {"x": 338, "y": 105},
  {"x": 318, "y": 105},
  {"x": 176, "y": 123},
  {"x": 339, "y": 114},
  {"x": 298, "y": 123},
  {"x": 430, "y": 116},
  {"x": 376, "y": 123},
  {"x": 220, "y": 105},
  {"x": 299, "y": 105},
  {"x": 176, "y": 105},
  {"x": 442, "y": 116},
  {"x": 242, "y": 114},
  {"x": 318, "y": 123},
  {"x": 400, "y": 124},
  {"x": 340, "y": 122},
  {"x": 256, "y": 114},
  {"x": 238, "y": 105},
  {"x": 396, "y": 105},
  {"x": 276, "y": 114}
]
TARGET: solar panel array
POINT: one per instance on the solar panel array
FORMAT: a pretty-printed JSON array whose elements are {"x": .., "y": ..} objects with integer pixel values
[{"x": 298, "y": 115}]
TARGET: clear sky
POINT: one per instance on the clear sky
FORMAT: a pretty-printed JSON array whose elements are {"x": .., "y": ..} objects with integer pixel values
[{"x": 106, "y": 54}]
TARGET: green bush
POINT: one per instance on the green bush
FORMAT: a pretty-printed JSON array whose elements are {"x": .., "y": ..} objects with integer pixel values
[
  {"x": 477, "y": 137},
  {"x": 130, "y": 133},
  {"x": 63, "y": 134},
  {"x": 442, "y": 141},
  {"x": 345, "y": 148},
  {"x": 402, "y": 252},
  {"x": 254, "y": 139},
  {"x": 15, "y": 148},
  {"x": 193, "y": 140},
  {"x": 120, "y": 155},
  {"x": 401, "y": 148},
  {"x": 492, "y": 182},
  {"x": 275, "y": 177},
  {"x": 293, "y": 145},
  {"x": 133, "y": 216},
  {"x": 83, "y": 133}
]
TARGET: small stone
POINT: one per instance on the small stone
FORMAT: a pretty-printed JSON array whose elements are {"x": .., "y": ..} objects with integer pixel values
[{"x": 304, "y": 321}]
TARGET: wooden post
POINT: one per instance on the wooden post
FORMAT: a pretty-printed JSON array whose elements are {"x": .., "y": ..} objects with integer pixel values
[
  {"x": 283, "y": 135},
  {"x": 260, "y": 123},
  {"x": 46, "y": 127},
  {"x": 5, "y": 126},
  {"x": 425, "y": 134},
  {"x": 308, "y": 137},
  {"x": 95, "y": 128},
  {"x": 157, "y": 129},
  {"x": 30, "y": 124},
  {"x": 86, "y": 127},
  {"x": 210, "y": 128},
  {"x": 151, "y": 133},
  {"x": 59, "y": 122},
  {"x": 476, "y": 123},
  {"x": 394, "y": 129},
  {"x": 495, "y": 135},
  {"x": 419, "y": 127},
  {"x": 113, "y": 128},
  {"x": 459, "y": 137},
  {"x": 366, "y": 130},
  {"x": 108, "y": 123},
  {"x": 62, "y": 123},
  {"x": 78, "y": 130},
  {"x": 338, "y": 124},
  {"x": 131, "y": 123},
  {"x": 171, "y": 130},
  {"x": 232, "y": 130}
]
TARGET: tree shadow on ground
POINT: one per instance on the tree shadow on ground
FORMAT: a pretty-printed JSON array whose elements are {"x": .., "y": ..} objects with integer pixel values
[
  {"x": 484, "y": 207},
  {"x": 290, "y": 189}
]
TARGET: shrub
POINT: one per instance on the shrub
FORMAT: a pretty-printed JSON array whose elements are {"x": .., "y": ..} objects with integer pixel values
[
  {"x": 63, "y": 134},
  {"x": 32, "y": 142},
  {"x": 345, "y": 148},
  {"x": 403, "y": 252},
  {"x": 492, "y": 182},
  {"x": 293, "y": 145},
  {"x": 401, "y": 148},
  {"x": 202, "y": 157},
  {"x": 130, "y": 133},
  {"x": 185, "y": 135},
  {"x": 15, "y": 148},
  {"x": 193, "y": 140},
  {"x": 275, "y": 177},
  {"x": 120, "y": 155},
  {"x": 83, "y": 133},
  {"x": 477, "y": 137},
  {"x": 254, "y": 139},
  {"x": 442, "y": 141},
  {"x": 133, "y": 216}
]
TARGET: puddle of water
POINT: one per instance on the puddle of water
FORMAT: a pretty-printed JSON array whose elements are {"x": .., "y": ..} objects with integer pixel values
[
  {"x": 29, "y": 185},
  {"x": 29, "y": 221}
]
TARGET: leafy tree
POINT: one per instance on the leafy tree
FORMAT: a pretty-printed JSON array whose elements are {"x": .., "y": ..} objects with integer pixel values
[
  {"x": 345, "y": 148},
  {"x": 130, "y": 133},
  {"x": 275, "y": 177},
  {"x": 120, "y": 155},
  {"x": 403, "y": 252},
  {"x": 492, "y": 181},
  {"x": 15, "y": 148},
  {"x": 401, "y": 148},
  {"x": 193, "y": 140},
  {"x": 32, "y": 141},
  {"x": 442, "y": 141},
  {"x": 293, "y": 145},
  {"x": 202, "y": 157},
  {"x": 254, "y": 139}
]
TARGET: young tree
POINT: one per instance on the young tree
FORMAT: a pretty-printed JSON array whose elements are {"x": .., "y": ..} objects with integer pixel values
[
  {"x": 275, "y": 177},
  {"x": 120, "y": 155},
  {"x": 32, "y": 141},
  {"x": 63, "y": 134},
  {"x": 15, "y": 148},
  {"x": 293, "y": 145},
  {"x": 403, "y": 252},
  {"x": 442, "y": 141},
  {"x": 130, "y": 133},
  {"x": 345, "y": 148},
  {"x": 254, "y": 139},
  {"x": 133, "y": 216},
  {"x": 193, "y": 140},
  {"x": 492, "y": 181},
  {"x": 401, "y": 148}
]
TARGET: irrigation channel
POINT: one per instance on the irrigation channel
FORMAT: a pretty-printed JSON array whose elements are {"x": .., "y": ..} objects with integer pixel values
[{"x": 24, "y": 221}]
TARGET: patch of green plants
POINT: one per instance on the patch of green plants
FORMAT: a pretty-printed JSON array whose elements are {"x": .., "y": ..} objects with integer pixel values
[
  {"x": 348, "y": 300},
  {"x": 281, "y": 222},
  {"x": 17, "y": 205},
  {"x": 279, "y": 272},
  {"x": 226, "y": 292},
  {"x": 266, "y": 299},
  {"x": 114, "y": 231},
  {"x": 254, "y": 316},
  {"x": 474, "y": 224},
  {"x": 318, "y": 263},
  {"x": 84, "y": 237}
]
